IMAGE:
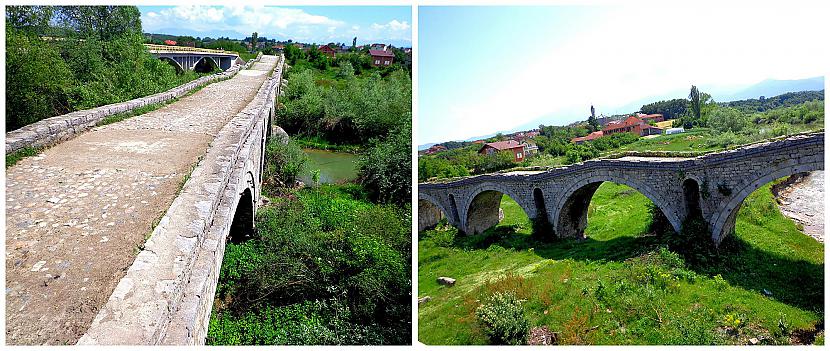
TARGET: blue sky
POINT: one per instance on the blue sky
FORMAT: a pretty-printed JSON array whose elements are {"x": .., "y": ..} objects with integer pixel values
[
  {"x": 488, "y": 69},
  {"x": 312, "y": 24}
]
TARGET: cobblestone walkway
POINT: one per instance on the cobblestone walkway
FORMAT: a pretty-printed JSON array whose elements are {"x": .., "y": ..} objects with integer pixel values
[{"x": 77, "y": 214}]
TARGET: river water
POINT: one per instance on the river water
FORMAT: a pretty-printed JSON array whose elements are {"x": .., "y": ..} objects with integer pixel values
[
  {"x": 803, "y": 201},
  {"x": 335, "y": 167}
]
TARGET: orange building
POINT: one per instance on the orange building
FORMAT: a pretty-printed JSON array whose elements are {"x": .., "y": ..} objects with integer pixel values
[{"x": 511, "y": 146}]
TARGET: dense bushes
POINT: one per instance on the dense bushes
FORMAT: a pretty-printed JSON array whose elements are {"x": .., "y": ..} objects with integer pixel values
[
  {"x": 365, "y": 108},
  {"x": 429, "y": 167},
  {"x": 37, "y": 80},
  {"x": 285, "y": 163},
  {"x": 386, "y": 170},
  {"x": 330, "y": 246},
  {"x": 94, "y": 60}
]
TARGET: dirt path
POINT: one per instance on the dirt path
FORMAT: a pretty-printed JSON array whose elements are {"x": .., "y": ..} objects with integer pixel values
[
  {"x": 803, "y": 201},
  {"x": 77, "y": 213}
]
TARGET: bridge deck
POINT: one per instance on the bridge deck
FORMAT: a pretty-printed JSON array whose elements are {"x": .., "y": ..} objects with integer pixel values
[{"x": 77, "y": 213}]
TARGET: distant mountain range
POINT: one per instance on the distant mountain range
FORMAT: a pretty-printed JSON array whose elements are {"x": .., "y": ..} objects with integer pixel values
[
  {"x": 773, "y": 87},
  {"x": 766, "y": 88}
]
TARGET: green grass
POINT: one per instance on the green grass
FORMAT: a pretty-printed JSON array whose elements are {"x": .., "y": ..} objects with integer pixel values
[
  {"x": 15, "y": 157},
  {"x": 621, "y": 285},
  {"x": 693, "y": 140}
]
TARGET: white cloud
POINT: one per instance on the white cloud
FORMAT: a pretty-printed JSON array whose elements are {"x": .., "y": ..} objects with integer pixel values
[
  {"x": 394, "y": 25},
  {"x": 240, "y": 19},
  {"x": 272, "y": 22}
]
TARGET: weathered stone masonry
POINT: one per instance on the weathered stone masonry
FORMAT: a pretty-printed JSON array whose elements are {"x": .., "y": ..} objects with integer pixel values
[
  {"x": 713, "y": 186},
  {"x": 167, "y": 294},
  {"x": 56, "y": 129}
]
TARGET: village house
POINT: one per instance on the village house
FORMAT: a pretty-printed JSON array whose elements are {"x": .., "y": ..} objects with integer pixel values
[
  {"x": 381, "y": 58},
  {"x": 169, "y": 42},
  {"x": 651, "y": 118},
  {"x": 511, "y": 146},
  {"x": 530, "y": 148},
  {"x": 326, "y": 50},
  {"x": 632, "y": 124},
  {"x": 435, "y": 148}
]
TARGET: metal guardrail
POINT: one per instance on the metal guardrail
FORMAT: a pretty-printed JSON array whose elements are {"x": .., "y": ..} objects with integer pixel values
[{"x": 168, "y": 48}]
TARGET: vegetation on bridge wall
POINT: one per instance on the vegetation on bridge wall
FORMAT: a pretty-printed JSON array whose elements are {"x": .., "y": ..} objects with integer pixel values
[{"x": 61, "y": 59}]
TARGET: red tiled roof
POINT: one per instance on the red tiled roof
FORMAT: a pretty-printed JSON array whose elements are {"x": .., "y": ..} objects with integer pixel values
[
  {"x": 630, "y": 121},
  {"x": 503, "y": 145},
  {"x": 588, "y": 137},
  {"x": 381, "y": 53}
]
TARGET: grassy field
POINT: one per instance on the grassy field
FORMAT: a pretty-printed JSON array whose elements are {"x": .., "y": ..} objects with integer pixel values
[
  {"x": 622, "y": 285},
  {"x": 693, "y": 140}
]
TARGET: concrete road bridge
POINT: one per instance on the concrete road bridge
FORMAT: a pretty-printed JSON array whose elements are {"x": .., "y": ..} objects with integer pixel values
[
  {"x": 116, "y": 235},
  {"x": 194, "y": 59},
  {"x": 712, "y": 186}
]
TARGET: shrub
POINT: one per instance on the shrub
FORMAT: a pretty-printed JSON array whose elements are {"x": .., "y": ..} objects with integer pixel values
[
  {"x": 503, "y": 319},
  {"x": 323, "y": 245},
  {"x": 283, "y": 162},
  {"x": 386, "y": 170}
]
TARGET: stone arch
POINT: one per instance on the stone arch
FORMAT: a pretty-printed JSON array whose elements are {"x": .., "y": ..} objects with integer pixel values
[
  {"x": 434, "y": 202},
  {"x": 174, "y": 63},
  {"x": 242, "y": 226},
  {"x": 691, "y": 197},
  {"x": 482, "y": 209},
  {"x": 723, "y": 220},
  {"x": 571, "y": 211},
  {"x": 205, "y": 64}
]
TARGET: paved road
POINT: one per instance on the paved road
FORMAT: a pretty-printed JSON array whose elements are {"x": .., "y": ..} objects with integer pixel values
[{"x": 77, "y": 213}]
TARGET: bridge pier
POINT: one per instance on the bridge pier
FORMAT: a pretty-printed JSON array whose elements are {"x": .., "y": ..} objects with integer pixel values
[{"x": 428, "y": 215}]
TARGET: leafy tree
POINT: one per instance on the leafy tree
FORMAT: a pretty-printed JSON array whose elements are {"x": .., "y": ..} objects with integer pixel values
[
  {"x": 37, "y": 80},
  {"x": 346, "y": 70},
  {"x": 670, "y": 109},
  {"x": 694, "y": 102},
  {"x": 386, "y": 170},
  {"x": 254, "y": 41},
  {"x": 593, "y": 123},
  {"x": 30, "y": 19},
  {"x": 727, "y": 119},
  {"x": 100, "y": 22}
]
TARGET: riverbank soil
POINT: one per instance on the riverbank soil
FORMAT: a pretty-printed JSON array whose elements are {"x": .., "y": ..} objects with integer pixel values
[{"x": 802, "y": 200}]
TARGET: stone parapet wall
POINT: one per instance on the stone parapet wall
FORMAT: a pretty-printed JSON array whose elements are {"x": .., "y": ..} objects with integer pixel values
[
  {"x": 53, "y": 130},
  {"x": 167, "y": 294}
]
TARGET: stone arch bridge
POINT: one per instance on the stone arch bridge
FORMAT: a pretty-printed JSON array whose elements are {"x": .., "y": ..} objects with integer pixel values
[
  {"x": 712, "y": 186},
  {"x": 167, "y": 295},
  {"x": 188, "y": 58}
]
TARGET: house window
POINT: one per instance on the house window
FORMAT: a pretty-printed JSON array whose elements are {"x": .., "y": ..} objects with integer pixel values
[
  {"x": 518, "y": 155},
  {"x": 386, "y": 62},
  {"x": 377, "y": 62}
]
